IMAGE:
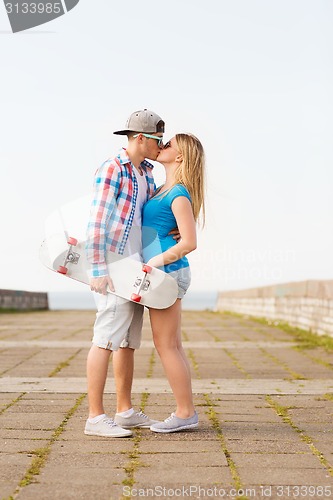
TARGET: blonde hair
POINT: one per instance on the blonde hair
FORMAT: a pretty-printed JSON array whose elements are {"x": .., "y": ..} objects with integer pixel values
[{"x": 191, "y": 172}]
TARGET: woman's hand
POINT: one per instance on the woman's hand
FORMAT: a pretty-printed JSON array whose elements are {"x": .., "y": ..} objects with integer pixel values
[{"x": 156, "y": 261}]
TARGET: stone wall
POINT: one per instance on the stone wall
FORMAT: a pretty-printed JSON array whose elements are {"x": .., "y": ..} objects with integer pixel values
[
  {"x": 306, "y": 304},
  {"x": 21, "y": 300}
]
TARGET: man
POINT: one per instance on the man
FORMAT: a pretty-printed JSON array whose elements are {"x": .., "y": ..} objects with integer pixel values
[{"x": 122, "y": 185}]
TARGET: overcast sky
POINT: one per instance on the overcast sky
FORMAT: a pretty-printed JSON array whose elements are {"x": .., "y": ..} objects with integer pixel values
[{"x": 252, "y": 79}]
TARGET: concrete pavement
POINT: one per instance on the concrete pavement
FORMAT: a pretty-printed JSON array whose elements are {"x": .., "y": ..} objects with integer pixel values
[{"x": 265, "y": 405}]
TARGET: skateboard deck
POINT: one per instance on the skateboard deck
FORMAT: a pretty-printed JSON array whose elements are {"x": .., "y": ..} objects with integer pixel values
[{"x": 132, "y": 280}]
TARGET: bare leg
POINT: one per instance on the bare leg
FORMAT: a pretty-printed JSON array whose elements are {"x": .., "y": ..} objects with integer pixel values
[
  {"x": 166, "y": 325},
  {"x": 182, "y": 352},
  {"x": 97, "y": 369},
  {"x": 123, "y": 368}
]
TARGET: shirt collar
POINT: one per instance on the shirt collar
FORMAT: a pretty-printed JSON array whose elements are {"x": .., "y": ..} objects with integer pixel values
[{"x": 124, "y": 159}]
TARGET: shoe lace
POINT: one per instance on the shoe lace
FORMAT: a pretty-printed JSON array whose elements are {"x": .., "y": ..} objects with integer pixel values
[
  {"x": 172, "y": 416},
  {"x": 109, "y": 421},
  {"x": 141, "y": 414}
]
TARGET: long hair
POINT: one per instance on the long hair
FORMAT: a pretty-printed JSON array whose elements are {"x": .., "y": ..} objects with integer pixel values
[{"x": 191, "y": 172}]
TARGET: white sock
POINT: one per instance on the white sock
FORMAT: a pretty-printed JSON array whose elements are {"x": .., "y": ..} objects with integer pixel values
[
  {"x": 126, "y": 414},
  {"x": 97, "y": 419}
]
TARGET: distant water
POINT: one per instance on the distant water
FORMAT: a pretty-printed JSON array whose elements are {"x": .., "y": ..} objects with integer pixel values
[{"x": 195, "y": 301}]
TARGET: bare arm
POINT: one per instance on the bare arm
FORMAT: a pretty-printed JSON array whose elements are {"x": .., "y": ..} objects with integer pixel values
[{"x": 182, "y": 210}]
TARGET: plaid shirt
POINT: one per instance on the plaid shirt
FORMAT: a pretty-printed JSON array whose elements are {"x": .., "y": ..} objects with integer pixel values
[{"x": 112, "y": 209}]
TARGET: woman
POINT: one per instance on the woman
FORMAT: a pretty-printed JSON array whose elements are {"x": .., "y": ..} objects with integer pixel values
[{"x": 177, "y": 203}]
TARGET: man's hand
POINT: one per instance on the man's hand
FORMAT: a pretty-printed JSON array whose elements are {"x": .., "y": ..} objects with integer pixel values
[
  {"x": 100, "y": 285},
  {"x": 176, "y": 234}
]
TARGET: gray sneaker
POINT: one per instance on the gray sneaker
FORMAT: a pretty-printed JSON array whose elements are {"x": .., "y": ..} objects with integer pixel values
[
  {"x": 175, "y": 424},
  {"x": 137, "y": 419},
  {"x": 106, "y": 428}
]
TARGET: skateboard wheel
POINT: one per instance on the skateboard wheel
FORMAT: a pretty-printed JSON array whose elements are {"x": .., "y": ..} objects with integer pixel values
[
  {"x": 62, "y": 270},
  {"x": 72, "y": 241},
  {"x": 146, "y": 269},
  {"x": 135, "y": 297}
]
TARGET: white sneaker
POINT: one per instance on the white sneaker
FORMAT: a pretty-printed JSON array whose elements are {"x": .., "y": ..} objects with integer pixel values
[
  {"x": 106, "y": 428},
  {"x": 175, "y": 424},
  {"x": 137, "y": 420}
]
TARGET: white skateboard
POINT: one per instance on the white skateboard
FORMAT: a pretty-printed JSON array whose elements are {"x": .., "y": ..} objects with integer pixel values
[{"x": 132, "y": 280}]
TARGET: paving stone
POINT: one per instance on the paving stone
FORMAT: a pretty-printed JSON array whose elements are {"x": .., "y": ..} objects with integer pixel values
[
  {"x": 99, "y": 490},
  {"x": 183, "y": 459},
  {"x": 77, "y": 460},
  {"x": 302, "y": 416},
  {"x": 31, "y": 421},
  {"x": 74, "y": 477},
  {"x": 61, "y": 397},
  {"x": 12, "y": 470},
  {"x": 264, "y": 428},
  {"x": 94, "y": 445},
  {"x": 284, "y": 476},
  {"x": 177, "y": 472},
  {"x": 202, "y": 446},
  {"x": 238, "y": 445},
  {"x": 268, "y": 417},
  {"x": 8, "y": 397},
  {"x": 18, "y": 433},
  {"x": 42, "y": 407},
  {"x": 276, "y": 460},
  {"x": 22, "y": 445},
  {"x": 317, "y": 429}
]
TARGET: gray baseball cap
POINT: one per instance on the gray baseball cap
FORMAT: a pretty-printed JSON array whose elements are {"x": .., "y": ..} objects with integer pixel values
[{"x": 143, "y": 121}]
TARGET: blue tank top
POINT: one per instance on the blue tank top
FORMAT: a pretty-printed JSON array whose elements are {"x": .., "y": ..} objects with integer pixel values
[{"x": 157, "y": 221}]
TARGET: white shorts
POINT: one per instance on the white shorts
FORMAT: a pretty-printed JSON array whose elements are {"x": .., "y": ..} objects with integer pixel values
[{"x": 118, "y": 322}]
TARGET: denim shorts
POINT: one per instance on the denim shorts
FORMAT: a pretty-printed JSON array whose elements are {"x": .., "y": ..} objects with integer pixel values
[{"x": 183, "y": 278}]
